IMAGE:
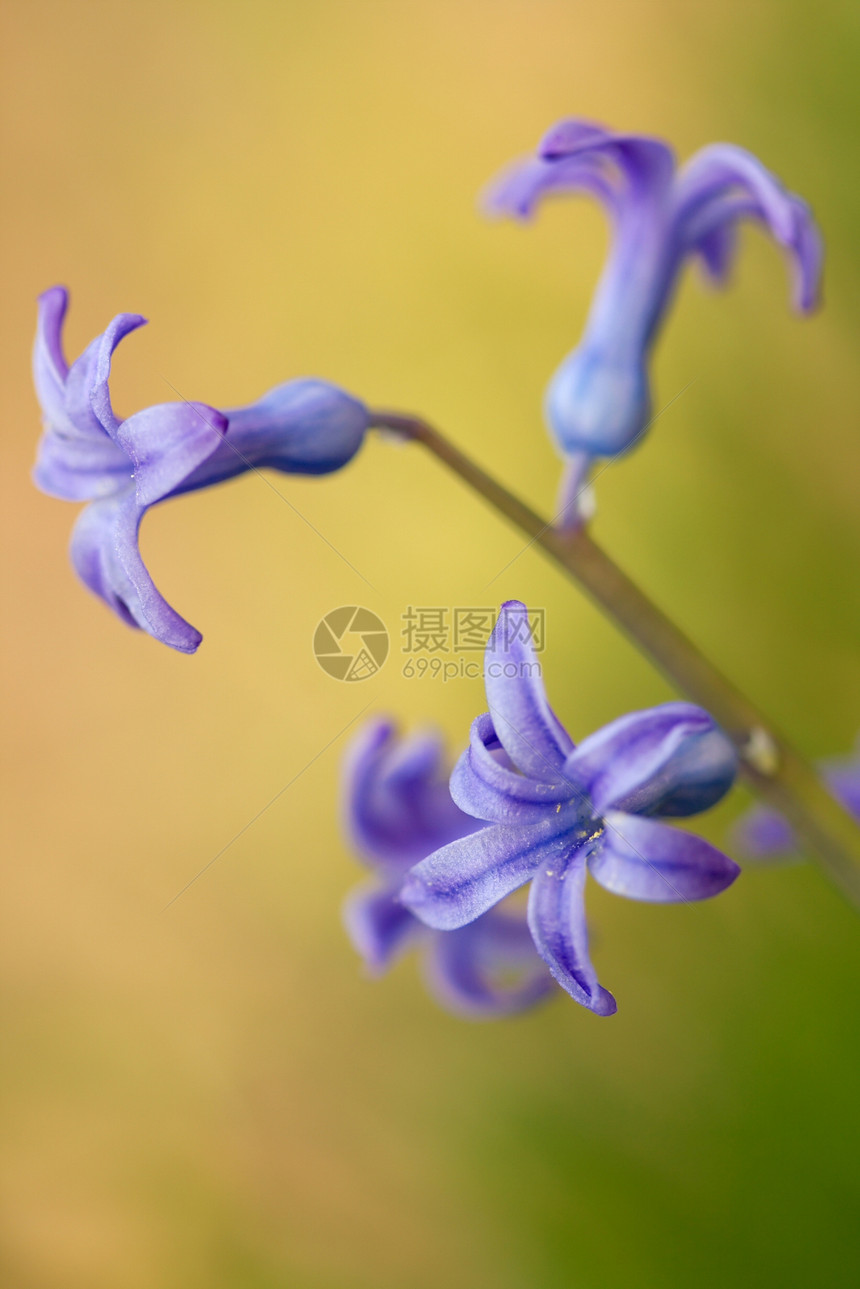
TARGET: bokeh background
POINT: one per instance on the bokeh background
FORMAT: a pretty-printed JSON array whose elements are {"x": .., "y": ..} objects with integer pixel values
[{"x": 215, "y": 1094}]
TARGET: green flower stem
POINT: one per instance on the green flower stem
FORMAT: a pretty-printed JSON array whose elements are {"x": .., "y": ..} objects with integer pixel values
[{"x": 777, "y": 773}]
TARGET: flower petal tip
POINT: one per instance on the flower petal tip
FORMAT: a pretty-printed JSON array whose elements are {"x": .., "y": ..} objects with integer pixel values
[
  {"x": 604, "y": 1003},
  {"x": 58, "y": 296}
]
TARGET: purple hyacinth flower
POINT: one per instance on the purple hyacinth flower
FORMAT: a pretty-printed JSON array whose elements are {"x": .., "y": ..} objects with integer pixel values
[
  {"x": 555, "y": 810},
  {"x": 599, "y": 402},
  {"x": 398, "y": 809},
  {"x": 122, "y": 467},
  {"x": 763, "y": 833}
]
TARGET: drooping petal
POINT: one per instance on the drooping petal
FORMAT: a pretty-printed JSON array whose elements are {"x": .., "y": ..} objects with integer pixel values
[
  {"x": 558, "y": 926},
  {"x": 396, "y": 805},
  {"x": 167, "y": 443},
  {"x": 580, "y": 156},
  {"x": 711, "y": 233},
  {"x": 462, "y": 880},
  {"x": 517, "y": 192},
  {"x": 645, "y": 860},
  {"x": 671, "y": 760},
  {"x": 722, "y": 184},
  {"x": 487, "y": 969},
  {"x": 107, "y": 559},
  {"x": 526, "y": 725},
  {"x": 379, "y": 926},
  {"x": 485, "y": 785}
]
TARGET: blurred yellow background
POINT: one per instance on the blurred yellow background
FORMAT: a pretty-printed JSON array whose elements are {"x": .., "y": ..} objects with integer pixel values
[{"x": 215, "y": 1095}]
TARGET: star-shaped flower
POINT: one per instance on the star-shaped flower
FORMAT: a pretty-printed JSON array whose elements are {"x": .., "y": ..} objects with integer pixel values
[
  {"x": 122, "y": 467},
  {"x": 556, "y": 811}
]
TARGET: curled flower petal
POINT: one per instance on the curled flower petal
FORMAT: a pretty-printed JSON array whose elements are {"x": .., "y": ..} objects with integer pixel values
[
  {"x": 82, "y": 378},
  {"x": 106, "y": 557},
  {"x": 379, "y": 926},
  {"x": 526, "y": 725},
  {"x": 90, "y": 390},
  {"x": 671, "y": 760},
  {"x": 723, "y": 183},
  {"x": 518, "y": 191},
  {"x": 76, "y": 460},
  {"x": 485, "y": 786},
  {"x": 644, "y": 860},
  {"x": 646, "y": 163},
  {"x": 462, "y": 880},
  {"x": 557, "y": 923},
  {"x": 166, "y": 443},
  {"x": 488, "y": 968},
  {"x": 572, "y": 136},
  {"x": 72, "y": 398}
]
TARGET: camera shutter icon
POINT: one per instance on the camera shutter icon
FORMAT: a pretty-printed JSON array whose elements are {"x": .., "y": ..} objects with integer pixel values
[{"x": 351, "y": 643}]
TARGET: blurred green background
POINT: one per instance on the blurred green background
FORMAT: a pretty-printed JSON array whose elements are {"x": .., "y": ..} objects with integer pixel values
[{"x": 215, "y": 1095}]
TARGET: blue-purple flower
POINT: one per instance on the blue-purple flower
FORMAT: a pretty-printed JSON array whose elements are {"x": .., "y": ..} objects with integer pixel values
[
  {"x": 599, "y": 402},
  {"x": 763, "y": 833},
  {"x": 122, "y": 467},
  {"x": 556, "y": 811},
  {"x": 398, "y": 809}
]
